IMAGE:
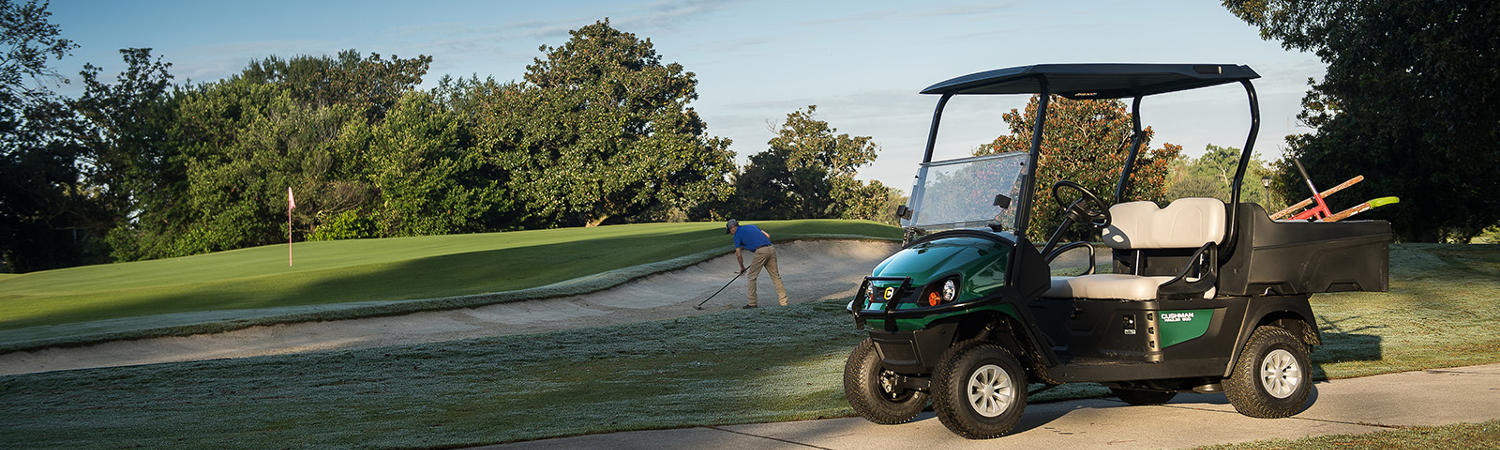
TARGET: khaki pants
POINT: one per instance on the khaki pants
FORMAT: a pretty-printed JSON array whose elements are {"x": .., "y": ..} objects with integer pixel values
[{"x": 765, "y": 257}]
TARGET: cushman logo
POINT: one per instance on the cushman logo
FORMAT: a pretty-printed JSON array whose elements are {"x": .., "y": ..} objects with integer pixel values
[
  {"x": 890, "y": 292},
  {"x": 1177, "y": 317}
]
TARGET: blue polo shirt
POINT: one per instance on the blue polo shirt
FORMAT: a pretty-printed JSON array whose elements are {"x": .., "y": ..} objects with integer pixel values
[{"x": 749, "y": 237}]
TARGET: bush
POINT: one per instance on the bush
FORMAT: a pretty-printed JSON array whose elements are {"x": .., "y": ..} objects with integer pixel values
[{"x": 346, "y": 225}]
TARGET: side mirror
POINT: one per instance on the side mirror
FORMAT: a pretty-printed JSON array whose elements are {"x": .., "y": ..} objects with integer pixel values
[
  {"x": 902, "y": 212},
  {"x": 1002, "y": 201}
]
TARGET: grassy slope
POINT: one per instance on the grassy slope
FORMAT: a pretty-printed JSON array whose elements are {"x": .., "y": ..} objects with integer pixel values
[
  {"x": 1467, "y": 435},
  {"x": 731, "y": 367},
  {"x": 371, "y": 269}
]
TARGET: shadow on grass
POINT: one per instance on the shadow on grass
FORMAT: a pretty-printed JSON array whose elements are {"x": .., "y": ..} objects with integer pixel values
[{"x": 1344, "y": 345}]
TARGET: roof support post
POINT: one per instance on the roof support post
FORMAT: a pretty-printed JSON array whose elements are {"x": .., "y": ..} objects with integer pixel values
[
  {"x": 1135, "y": 148},
  {"x": 1231, "y": 231},
  {"x": 937, "y": 116},
  {"x": 1023, "y": 216}
]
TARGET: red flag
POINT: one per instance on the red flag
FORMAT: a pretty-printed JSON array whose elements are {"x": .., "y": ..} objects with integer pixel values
[{"x": 291, "y": 202}]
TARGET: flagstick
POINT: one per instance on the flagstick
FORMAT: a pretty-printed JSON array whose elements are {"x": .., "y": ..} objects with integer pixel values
[{"x": 290, "y": 203}]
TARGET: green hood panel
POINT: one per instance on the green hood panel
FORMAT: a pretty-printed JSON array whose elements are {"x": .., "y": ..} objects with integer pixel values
[{"x": 979, "y": 263}]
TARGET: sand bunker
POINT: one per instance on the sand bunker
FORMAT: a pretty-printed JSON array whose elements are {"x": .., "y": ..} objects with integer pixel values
[{"x": 812, "y": 271}]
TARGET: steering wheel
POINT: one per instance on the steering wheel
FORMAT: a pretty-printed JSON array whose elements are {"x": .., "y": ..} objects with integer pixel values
[{"x": 1095, "y": 213}]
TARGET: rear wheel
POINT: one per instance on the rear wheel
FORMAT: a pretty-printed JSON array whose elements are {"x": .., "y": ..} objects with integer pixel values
[
  {"x": 979, "y": 392},
  {"x": 1272, "y": 377},
  {"x": 1140, "y": 397},
  {"x": 874, "y": 392}
]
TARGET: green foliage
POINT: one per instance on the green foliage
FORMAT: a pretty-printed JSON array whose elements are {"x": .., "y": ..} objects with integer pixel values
[
  {"x": 131, "y": 156},
  {"x": 1085, "y": 141},
  {"x": 1407, "y": 102},
  {"x": 429, "y": 179},
  {"x": 345, "y": 225},
  {"x": 602, "y": 129},
  {"x": 1212, "y": 175},
  {"x": 48, "y": 216},
  {"x": 238, "y": 197},
  {"x": 371, "y": 85},
  {"x": 808, "y": 172}
]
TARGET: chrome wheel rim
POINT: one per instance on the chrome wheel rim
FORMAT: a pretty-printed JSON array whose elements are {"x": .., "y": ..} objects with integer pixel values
[
  {"x": 990, "y": 390},
  {"x": 1280, "y": 374}
]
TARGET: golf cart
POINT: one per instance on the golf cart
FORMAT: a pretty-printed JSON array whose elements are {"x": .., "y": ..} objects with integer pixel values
[{"x": 1204, "y": 296}]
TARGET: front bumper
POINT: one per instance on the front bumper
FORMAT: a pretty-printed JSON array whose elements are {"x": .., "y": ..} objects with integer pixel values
[
  {"x": 888, "y": 314},
  {"x": 913, "y": 352}
]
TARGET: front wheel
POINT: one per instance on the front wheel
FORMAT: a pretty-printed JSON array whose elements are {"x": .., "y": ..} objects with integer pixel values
[
  {"x": 1271, "y": 379},
  {"x": 979, "y": 392},
  {"x": 874, "y": 392}
]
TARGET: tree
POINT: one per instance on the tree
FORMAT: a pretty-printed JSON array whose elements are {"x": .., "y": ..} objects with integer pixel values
[
  {"x": 601, "y": 129},
  {"x": 45, "y": 209},
  {"x": 429, "y": 178},
  {"x": 1408, "y": 101},
  {"x": 808, "y": 172},
  {"x": 371, "y": 85},
  {"x": 1212, "y": 175},
  {"x": 131, "y": 161},
  {"x": 1085, "y": 141},
  {"x": 238, "y": 198}
]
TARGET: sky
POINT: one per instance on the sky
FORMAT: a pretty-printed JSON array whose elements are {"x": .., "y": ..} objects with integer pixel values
[{"x": 861, "y": 62}]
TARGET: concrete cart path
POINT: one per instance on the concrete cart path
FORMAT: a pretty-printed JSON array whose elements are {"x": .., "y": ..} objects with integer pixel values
[
  {"x": 813, "y": 270},
  {"x": 1356, "y": 405}
]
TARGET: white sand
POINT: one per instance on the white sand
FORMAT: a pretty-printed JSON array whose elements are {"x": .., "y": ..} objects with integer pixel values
[{"x": 812, "y": 271}]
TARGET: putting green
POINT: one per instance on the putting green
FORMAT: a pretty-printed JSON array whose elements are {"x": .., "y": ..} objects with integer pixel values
[{"x": 367, "y": 270}]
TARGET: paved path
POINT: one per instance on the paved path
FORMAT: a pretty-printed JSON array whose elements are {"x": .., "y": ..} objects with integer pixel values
[{"x": 1357, "y": 405}]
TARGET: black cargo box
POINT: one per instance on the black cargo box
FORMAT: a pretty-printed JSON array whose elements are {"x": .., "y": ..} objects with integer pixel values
[{"x": 1290, "y": 258}]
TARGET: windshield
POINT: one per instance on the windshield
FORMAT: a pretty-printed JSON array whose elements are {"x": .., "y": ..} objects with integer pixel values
[{"x": 960, "y": 193}]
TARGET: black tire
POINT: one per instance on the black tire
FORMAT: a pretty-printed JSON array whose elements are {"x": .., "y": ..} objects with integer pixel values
[
  {"x": 1283, "y": 391},
  {"x": 985, "y": 366},
  {"x": 1140, "y": 397},
  {"x": 868, "y": 396}
]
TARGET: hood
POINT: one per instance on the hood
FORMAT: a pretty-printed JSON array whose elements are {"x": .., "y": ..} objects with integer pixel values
[{"x": 939, "y": 258}]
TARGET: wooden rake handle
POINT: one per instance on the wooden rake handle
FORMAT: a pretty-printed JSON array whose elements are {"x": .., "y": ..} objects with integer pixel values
[{"x": 1309, "y": 200}]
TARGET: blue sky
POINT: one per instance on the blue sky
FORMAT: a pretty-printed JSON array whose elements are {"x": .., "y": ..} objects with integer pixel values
[{"x": 861, "y": 62}]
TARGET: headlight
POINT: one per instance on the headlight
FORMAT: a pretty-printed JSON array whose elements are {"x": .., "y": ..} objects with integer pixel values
[{"x": 943, "y": 294}]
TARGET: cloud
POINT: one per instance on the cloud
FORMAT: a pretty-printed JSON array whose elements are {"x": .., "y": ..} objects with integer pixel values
[
  {"x": 972, "y": 10},
  {"x": 668, "y": 13},
  {"x": 213, "y": 62}
]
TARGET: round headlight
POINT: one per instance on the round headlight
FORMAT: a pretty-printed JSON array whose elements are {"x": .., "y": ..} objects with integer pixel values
[{"x": 950, "y": 290}]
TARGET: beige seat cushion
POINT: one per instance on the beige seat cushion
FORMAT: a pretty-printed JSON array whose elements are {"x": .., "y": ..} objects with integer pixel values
[
  {"x": 1109, "y": 286},
  {"x": 1106, "y": 286},
  {"x": 1186, "y": 223}
]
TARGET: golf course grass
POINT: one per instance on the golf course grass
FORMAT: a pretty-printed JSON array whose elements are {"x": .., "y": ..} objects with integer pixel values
[
  {"x": 369, "y": 270},
  {"x": 770, "y": 364},
  {"x": 1455, "y": 436}
]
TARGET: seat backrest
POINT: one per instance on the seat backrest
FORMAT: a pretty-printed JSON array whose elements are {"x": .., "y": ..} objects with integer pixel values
[{"x": 1186, "y": 223}]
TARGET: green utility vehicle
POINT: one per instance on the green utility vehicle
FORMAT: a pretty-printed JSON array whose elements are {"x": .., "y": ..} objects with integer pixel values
[{"x": 1204, "y": 296}]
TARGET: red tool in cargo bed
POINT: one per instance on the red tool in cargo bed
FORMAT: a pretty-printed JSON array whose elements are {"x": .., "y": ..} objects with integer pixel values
[{"x": 1320, "y": 212}]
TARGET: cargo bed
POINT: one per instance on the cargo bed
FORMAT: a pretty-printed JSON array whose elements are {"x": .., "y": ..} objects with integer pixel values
[{"x": 1298, "y": 257}]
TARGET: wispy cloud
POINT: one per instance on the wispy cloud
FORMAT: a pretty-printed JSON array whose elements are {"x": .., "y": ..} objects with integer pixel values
[
  {"x": 965, "y": 10},
  {"x": 213, "y": 62},
  {"x": 461, "y": 37}
]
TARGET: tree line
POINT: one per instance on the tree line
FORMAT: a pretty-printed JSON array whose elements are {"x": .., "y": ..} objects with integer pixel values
[{"x": 599, "y": 130}]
